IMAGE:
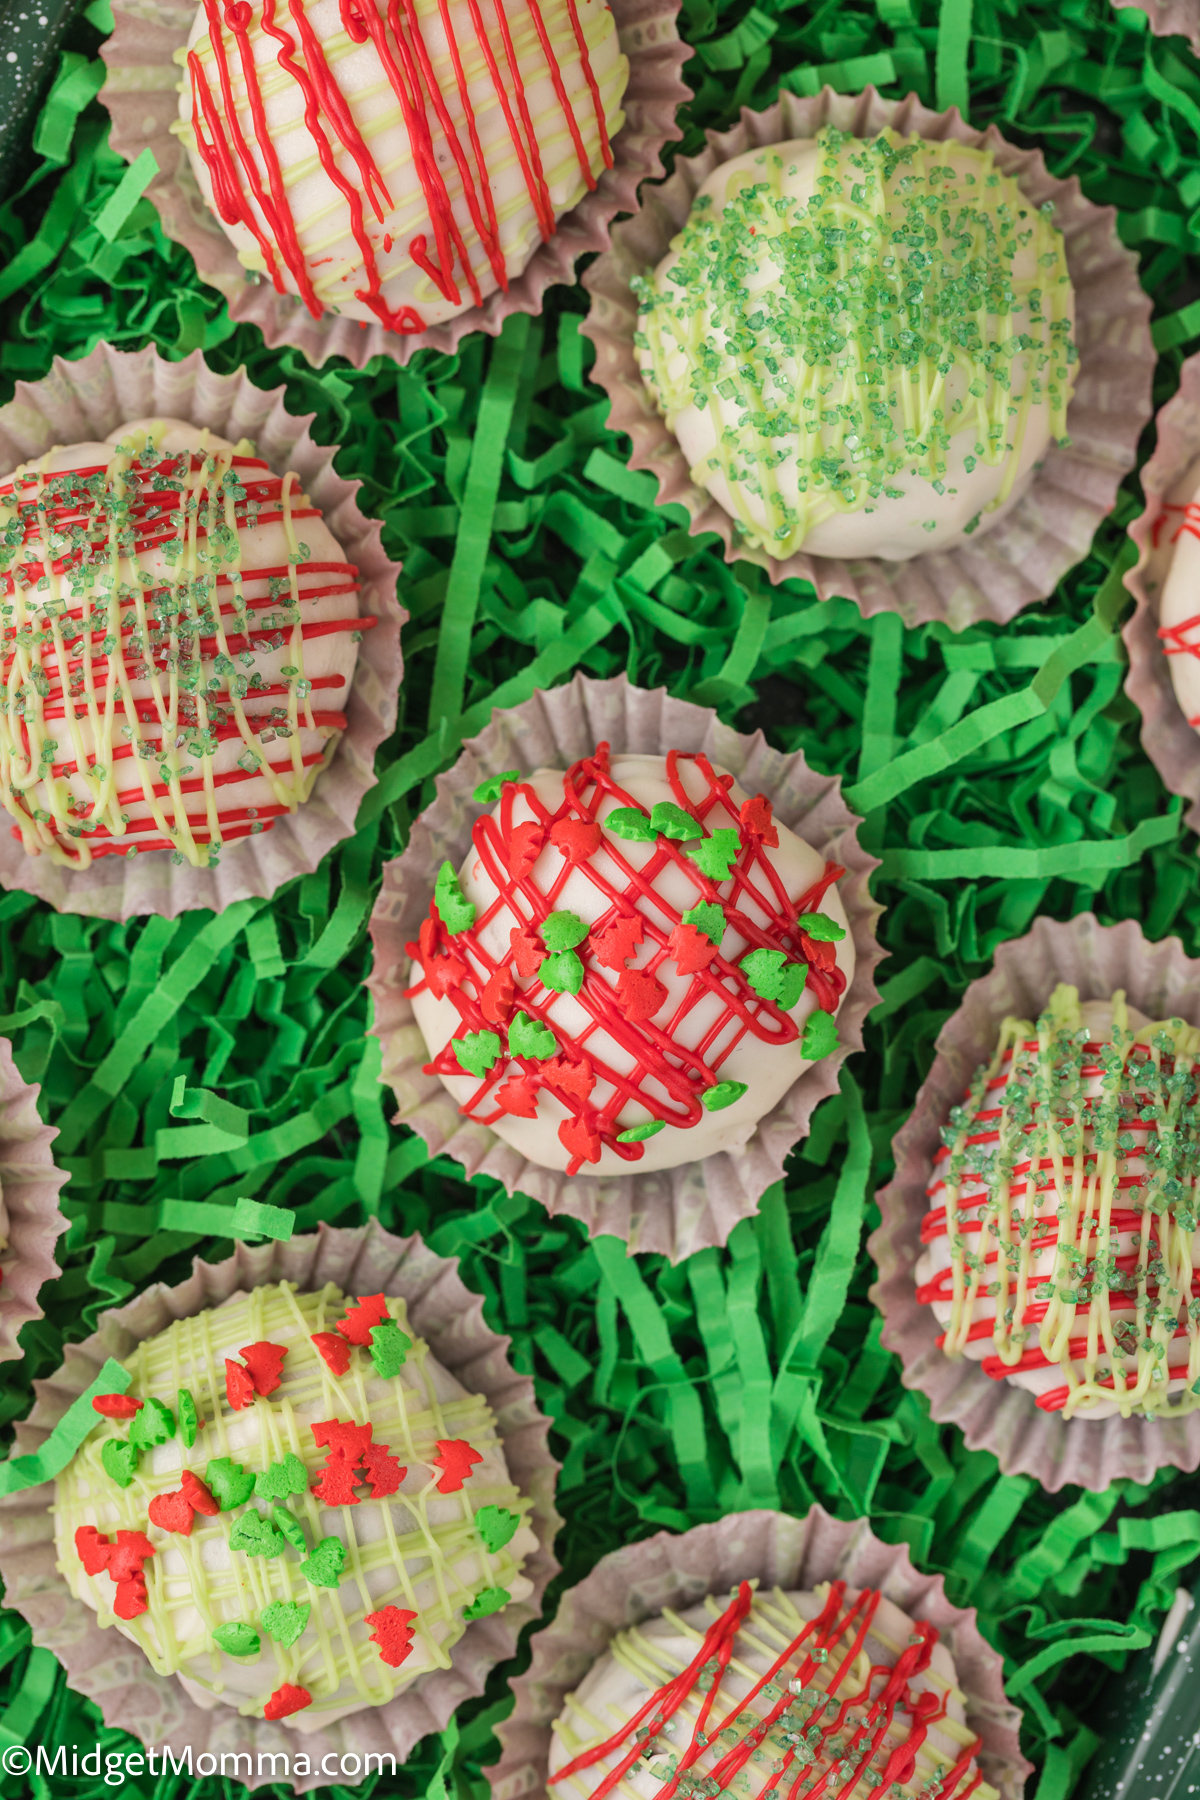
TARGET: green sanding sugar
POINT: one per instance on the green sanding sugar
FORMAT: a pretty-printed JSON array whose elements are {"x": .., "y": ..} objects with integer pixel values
[{"x": 844, "y": 339}]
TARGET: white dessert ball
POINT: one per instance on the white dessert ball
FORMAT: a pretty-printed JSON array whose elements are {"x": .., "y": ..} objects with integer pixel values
[
  {"x": 837, "y": 1685},
  {"x": 306, "y": 1535},
  {"x": 392, "y": 178},
  {"x": 181, "y": 630},
  {"x": 1064, "y": 1209},
  {"x": 862, "y": 346},
  {"x": 633, "y": 965}
]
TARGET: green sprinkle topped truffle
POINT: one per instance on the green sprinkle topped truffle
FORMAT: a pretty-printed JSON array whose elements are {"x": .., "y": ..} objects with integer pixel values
[{"x": 863, "y": 347}]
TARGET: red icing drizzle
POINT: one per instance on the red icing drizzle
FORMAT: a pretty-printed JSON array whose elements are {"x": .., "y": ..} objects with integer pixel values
[
  {"x": 839, "y": 1628},
  {"x": 404, "y": 57},
  {"x": 625, "y": 1008},
  {"x": 66, "y": 507}
]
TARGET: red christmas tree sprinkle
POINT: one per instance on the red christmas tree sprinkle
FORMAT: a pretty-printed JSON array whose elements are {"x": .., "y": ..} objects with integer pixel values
[
  {"x": 756, "y": 820},
  {"x": 576, "y": 1136},
  {"x": 723, "y": 886},
  {"x": 334, "y": 1350},
  {"x": 496, "y": 1000},
  {"x": 361, "y": 1319},
  {"x": 197, "y": 1495},
  {"x": 286, "y": 1700},
  {"x": 129, "y": 1553},
  {"x": 518, "y": 1098},
  {"x": 239, "y": 1386},
  {"x": 617, "y": 942},
  {"x": 265, "y": 1363},
  {"x": 335, "y": 1484},
  {"x": 525, "y": 846},
  {"x": 393, "y": 1633},
  {"x": 640, "y": 994},
  {"x": 93, "y": 1549},
  {"x": 456, "y": 1459},
  {"x": 691, "y": 949},
  {"x": 577, "y": 839},
  {"x": 528, "y": 952},
  {"x": 131, "y": 1599},
  {"x": 444, "y": 974},
  {"x": 116, "y": 1406},
  {"x": 173, "y": 1512},
  {"x": 384, "y": 1471},
  {"x": 343, "y": 1434}
]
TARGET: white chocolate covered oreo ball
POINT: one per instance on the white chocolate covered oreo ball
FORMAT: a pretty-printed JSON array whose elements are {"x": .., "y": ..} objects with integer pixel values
[
  {"x": 777, "y": 1694},
  {"x": 180, "y": 632},
  {"x": 633, "y": 965},
  {"x": 294, "y": 1508},
  {"x": 1062, "y": 1234},
  {"x": 863, "y": 347},
  {"x": 1177, "y": 539},
  {"x": 398, "y": 165}
]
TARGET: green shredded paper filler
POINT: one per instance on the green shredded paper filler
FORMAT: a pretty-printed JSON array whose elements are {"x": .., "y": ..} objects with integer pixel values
[{"x": 210, "y": 1078}]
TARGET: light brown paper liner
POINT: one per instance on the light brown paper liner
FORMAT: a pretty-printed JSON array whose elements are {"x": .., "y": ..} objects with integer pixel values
[
  {"x": 1170, "y": 18},
  {"x": 677, "y": 1572},
  {"x": 1022, "y": 558},
  {"x": 672, "y": 1211},
  {"x": 80, "y": 401},
  {"x": 1168, "y": 740},
  {"x": 142, "y": 94},
  {"x": 995, "y": 1415},
  {"x": 29, "y": 1217},
  {"x": 113, "y": 1672}
]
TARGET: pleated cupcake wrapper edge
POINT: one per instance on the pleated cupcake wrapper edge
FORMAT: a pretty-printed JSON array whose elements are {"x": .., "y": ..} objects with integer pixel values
[
  {"x": 142, "y": 95},
  {"x": 114, "y": 1672},
  {"x": 85, "y": 400},
  {"x": 1162, "y": 982},
  {"x": 30, "y": 1184},
  {"x": 1170, "y": 18},
  {"x": 638, "y": 1582},
  {"x": 1168, "y": 740},
  {"x": 1022, "y": 558},
  {"x": 672, "y": 1211}
]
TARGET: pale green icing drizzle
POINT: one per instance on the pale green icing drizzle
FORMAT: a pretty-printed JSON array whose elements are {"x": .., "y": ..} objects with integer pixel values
[
  {"x": 412, "y": 1547},
  {"x": 829, "y": 330}
]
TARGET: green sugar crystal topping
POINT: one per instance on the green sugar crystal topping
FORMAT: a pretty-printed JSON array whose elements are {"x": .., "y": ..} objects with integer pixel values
[
  {"x": 281, "y": 1479},
  {"x": 285, "y": 1620},
  {"x": 842, "y": 337},
  {"x": 389, "y": 1348},
  {"x": 237, "y": 1639},
  {"x": 153, "y": 1425},
  {"x": 487, "y": 1600}
]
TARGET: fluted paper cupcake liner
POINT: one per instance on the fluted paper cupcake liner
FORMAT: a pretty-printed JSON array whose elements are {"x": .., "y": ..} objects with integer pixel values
[
  {"x": 115, "y": 1673},
  {"x": 996, "y": 1415},
  {"x": 1170, "y": 18},
  {"x": 636, "y": 1583},
  {"x": 1020, "y": 560},
  {"x": 1169, "y": 741},
  {"x": 673, "y": 1211},
  {"x": 85, "y": 400},
  {"x": 30, "y": 1222},
  {"x": 142, "y": 94}
]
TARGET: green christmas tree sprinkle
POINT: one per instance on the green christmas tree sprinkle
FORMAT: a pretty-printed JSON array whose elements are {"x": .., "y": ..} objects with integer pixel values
[
  {"x": 716, "y": 1099},
  {"x": 707, "y": 917},
  {"x": 631, "y": 823},
  {"x": 454, "y": 909},
  {"x": 228, "y": 1482},
  {"x": 672, "y": 821},
  {"x": 714, "y": 856},
  {"x": 496, "y": 1525},
  {"x": 189, "y": 1417},
  {"x": 281, "y": 1479},
  {"x": 476, "y": 1051},
  {"x": 637, "y": 1134},
  {"x": 563, "y": 930},
  {"x": 237, "y": 1639},
  {"x": 529, "y": 1037},
  {"x": 154, "y": 1424},
  {"x": 285, "y": 1620},
  {"x": 324, "y": 1567},
  {"x": 389, "y": 1348},
  {"x": 119, "y": 1460},
  {"x": 487, "y": 1600},
  {"x": 562, "y": 974},
  {"x": 255, "y": 1536},
  {"x": 488, "y": 792}
]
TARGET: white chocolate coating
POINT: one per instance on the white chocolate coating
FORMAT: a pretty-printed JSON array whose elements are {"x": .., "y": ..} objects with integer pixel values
[
  {"x": 163, "y": 703},
  {"x": 1083, "y": 1259},
  {"x": 642, "y": 1659},
  {"x": 757, "y": 479},
  {"x": 416, "y": 1549},
  {"x": 333, "y": 258},
  {"x": 767, "y": 1070}
]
